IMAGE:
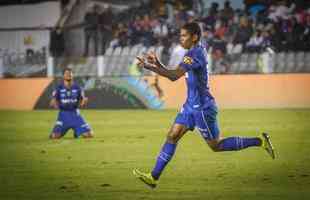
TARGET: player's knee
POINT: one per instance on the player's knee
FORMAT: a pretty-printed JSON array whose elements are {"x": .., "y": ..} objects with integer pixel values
[
  {"x": 172, "y": 137},
  {"x": 88, "y": 135},
  {"x": 215, "y": 148},
  {"x": 54, "y": 136}
]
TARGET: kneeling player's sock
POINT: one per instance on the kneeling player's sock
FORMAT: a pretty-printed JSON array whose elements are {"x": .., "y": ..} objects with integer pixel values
[
  {"x": 238, "y": 143},
  {"x": 163, "y": 158}
]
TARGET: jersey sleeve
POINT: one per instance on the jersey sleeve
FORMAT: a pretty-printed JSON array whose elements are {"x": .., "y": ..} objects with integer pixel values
[{"x": 190, "y": 61}]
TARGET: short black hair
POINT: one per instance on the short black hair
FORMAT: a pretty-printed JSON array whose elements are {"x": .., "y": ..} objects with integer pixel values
[
  {"x": 193, "y": 28},
  {"x": 66, "y": 69}
]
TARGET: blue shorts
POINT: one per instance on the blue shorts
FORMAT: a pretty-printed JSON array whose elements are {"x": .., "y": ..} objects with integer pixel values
[
  {"x": 205, "y": 120},
  {"x": 70, "y": 119}
]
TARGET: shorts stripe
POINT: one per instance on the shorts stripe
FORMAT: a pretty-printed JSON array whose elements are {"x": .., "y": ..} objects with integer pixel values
[
  {"x": 60, "y": 123},
  {"x": 205, "y": 121}
]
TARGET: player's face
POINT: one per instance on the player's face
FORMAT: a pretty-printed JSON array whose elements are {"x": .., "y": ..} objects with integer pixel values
[
  {"x": 186, "y": 39},
  {"x": 68, "y": 75}
]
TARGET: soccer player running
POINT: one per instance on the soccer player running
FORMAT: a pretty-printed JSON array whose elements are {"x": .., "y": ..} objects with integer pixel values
[
  {"x": 199, "y": 110},
  {"x": 68, "y": 97}
]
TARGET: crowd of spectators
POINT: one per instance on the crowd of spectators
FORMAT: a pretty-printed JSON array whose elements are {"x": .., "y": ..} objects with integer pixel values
[{"x": 280, "y": 24}]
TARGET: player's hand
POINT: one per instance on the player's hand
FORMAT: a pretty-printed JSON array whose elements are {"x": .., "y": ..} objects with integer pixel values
[
  {"x": 54, "y": 103},
  {"x": 83, "y": 102},
  {"x": 152, "y": 58},
  {"x": 148, "y": 60},
  {"x": 143, "y": 62}
]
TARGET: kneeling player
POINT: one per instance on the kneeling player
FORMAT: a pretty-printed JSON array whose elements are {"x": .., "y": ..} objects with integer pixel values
[{"x": 68, "y": 97}]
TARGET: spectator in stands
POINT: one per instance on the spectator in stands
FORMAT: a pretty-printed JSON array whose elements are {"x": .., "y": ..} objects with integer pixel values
[
  {"x": 255, "y": 42},
  {"x": 91, "y": 21},
  {"x": 242, "y": 36},
  {"x": 159, "y": 29},
  {"x": 213, "y": 11},
  {"x": 306, "y": 34},
  {"x": 218, "y": 51},
  {"x": 212, "y": 16},
  {"x": 267, "y": 41},
  {"x": 296, "y": 32},
  {"x": 161, "y": 9},
  {"x": 57, "y": 43},
  {"x": 146, "y": 25},
  {"x": 136, "y": 29},
  {"x": 228, "y": 12},
  {"x": 191, "y": 17},
  {"x": 220, "y": 29},
  {"x": 120, "y": 37},
  {"x": 275, "y": 39},
  {"x": 105, "y": 28}
]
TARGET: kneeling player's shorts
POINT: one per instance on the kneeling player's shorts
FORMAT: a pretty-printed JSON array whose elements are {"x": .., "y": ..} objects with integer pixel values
[
  {"x": 70, "y": 119},
  {"x": 204, "y": 120}
]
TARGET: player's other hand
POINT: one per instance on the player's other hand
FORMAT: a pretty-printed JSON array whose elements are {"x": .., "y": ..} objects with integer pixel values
[
  {"x": 83, "y": 102},
  {"x": 141, "y": 61}
]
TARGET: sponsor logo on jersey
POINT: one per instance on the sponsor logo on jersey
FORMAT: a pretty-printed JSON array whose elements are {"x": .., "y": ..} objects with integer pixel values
[
  {"x": 187, "y": 60},
  {"x": 65, "y": 101}
]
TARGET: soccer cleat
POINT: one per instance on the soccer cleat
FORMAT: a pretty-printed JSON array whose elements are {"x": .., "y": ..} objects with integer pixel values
[
  {"x": 267, "y": 145},
  {"x": 146, "y": 178}
]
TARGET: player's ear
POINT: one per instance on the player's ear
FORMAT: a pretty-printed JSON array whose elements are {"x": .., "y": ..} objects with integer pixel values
[{"x": 195, "y": 38}]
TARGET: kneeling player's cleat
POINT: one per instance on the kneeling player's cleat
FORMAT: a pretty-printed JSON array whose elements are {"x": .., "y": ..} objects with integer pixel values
[
  {"x": 146, "y": 178},
  {"x": 267, "y": 145}
]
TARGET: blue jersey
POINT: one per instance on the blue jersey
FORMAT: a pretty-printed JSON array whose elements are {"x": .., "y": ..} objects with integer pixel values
[
  {"x": 68, "y": 98},
  {"x": 195, "y": 64}
]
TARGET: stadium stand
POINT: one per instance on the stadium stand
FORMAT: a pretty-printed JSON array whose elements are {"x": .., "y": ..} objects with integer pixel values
[{"x": 264, "y": 37}]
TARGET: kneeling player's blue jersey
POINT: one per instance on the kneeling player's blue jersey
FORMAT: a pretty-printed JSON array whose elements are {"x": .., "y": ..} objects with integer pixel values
[
  {"x": 68, "y": 98},
  {"x": 195, "y": 65}
]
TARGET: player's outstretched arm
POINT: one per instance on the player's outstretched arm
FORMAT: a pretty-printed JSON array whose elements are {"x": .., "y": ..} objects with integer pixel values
[{"x": 151, "y": 62}]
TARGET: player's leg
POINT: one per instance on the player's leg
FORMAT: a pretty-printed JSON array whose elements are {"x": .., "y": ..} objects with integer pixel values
[
  {"x": 88, "y": 134},
  {"x": 61, "y": 126},
  {"x": 207, "y": 124},
  {"x": 165, "y": 155},
  {"x": 59, "y": 130},
  {"x": 238, "y": 143},
  {"x": 183, "y": 123},
  {"x": 168, "y": 149},
  {"x": 81, "y": 128}
]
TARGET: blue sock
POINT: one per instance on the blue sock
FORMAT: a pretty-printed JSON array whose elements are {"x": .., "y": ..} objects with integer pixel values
[
  {"x": 238, "y": 143},
  {"x": 163, "y": 158}
]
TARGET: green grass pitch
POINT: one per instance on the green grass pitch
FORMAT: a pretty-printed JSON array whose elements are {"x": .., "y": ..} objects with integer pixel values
[{"x": 33, "y": 167}]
